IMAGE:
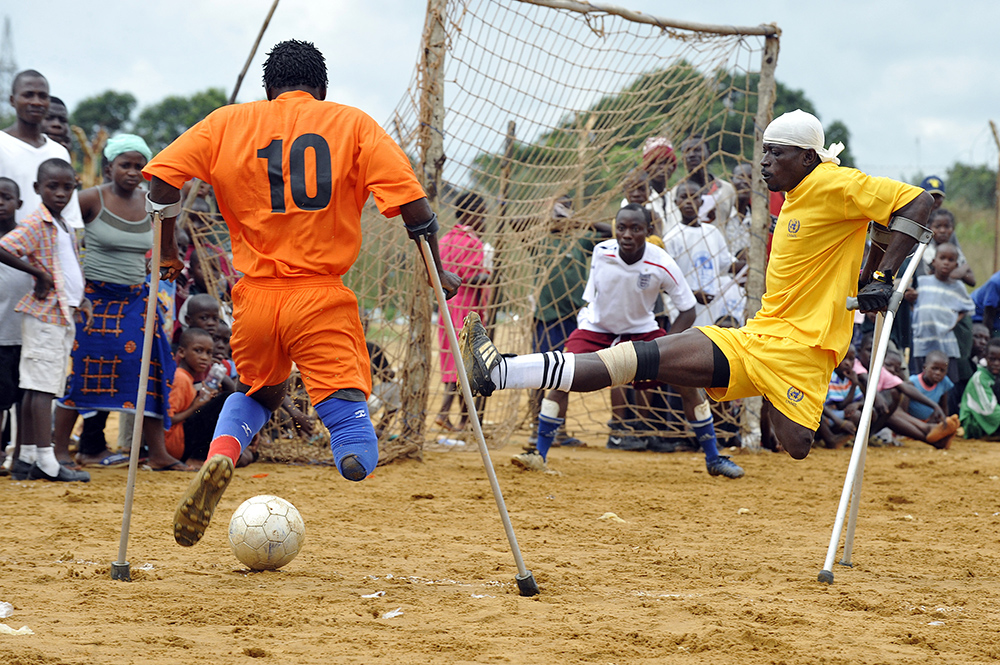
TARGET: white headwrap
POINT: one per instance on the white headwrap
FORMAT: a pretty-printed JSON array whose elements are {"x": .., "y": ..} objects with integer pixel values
[{"x": 802, "y": 130}]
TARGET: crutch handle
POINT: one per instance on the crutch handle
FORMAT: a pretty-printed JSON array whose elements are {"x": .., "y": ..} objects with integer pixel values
[{"x": 894, "y": 300}]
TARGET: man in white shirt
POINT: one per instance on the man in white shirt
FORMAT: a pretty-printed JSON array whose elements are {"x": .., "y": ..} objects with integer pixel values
[
  {"x": 23, "y": 145},
  {"x": 627, "y": 275}
]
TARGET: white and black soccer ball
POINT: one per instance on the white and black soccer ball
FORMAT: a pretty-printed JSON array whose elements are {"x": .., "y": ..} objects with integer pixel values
[{"x": 266, "y": 532}]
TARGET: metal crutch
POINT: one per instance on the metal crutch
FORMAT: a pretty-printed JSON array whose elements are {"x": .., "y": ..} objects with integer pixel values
[
  {"x": 526, "y": 584},
  {"x": 855, "y": 470},
  {"x": 120, "y": 567}
]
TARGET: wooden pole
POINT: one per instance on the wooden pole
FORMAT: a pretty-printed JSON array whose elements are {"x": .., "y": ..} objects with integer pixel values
[
  {"x": 253, "y": 51},
  {"x": 759, "y": 225},
  {"x": 584, "y": 7},
  {"x": 996, "y": 203},
  {"x": 430, "y": 141}
]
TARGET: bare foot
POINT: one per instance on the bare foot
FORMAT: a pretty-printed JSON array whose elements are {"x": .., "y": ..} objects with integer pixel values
[{"x": 941, "y": 431}]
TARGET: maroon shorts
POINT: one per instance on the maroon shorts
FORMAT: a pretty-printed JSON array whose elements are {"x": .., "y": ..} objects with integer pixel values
[{"x": 589, "y": 341}]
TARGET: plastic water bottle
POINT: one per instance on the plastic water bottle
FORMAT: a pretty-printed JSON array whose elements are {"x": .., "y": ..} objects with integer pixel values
[{"x": 215, "y": 376}]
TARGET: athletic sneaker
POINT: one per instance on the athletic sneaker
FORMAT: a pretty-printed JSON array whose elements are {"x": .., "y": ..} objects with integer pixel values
[
  {"x": 479, "y": 355},
  {"x": 194, "y": 512},
  {"x": 723, "y": 466},
  {"x": 529, "y": 461}
]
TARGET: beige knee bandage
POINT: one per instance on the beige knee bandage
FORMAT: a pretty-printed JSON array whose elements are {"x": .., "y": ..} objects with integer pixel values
[{"x": 620, "y": 361}]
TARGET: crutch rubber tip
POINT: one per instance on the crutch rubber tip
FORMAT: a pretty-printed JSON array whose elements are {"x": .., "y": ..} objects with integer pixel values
[
  {"x": 825, "y": 576},
  {"x": 120, "y": 571},
  {"x": 526, "y": 584}
]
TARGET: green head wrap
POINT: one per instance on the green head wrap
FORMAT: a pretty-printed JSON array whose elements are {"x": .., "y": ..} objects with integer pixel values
[{"x": 116, "y": 145}]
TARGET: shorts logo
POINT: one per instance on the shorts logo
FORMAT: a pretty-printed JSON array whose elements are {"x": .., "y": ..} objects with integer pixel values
[
  {"x": 795, "y": 395},
  {"x": 793, "y": 226},
  {"x": 644, "y": 280}
]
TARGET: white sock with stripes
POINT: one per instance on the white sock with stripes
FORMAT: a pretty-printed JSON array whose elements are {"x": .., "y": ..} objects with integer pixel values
[{"x": 552, "y": 370}]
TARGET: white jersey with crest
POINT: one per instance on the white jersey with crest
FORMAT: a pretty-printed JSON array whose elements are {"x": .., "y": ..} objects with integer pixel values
[{"x": 620, "y": 296}]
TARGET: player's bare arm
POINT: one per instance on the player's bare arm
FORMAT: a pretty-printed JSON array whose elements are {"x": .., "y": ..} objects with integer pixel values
[
  {"x": 905, "y": 228},
  {"x": 420, "y": 220},
  {"x": 162, "y": 193}
]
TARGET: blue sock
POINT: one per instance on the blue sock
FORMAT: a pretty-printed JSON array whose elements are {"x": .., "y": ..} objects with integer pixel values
[
  {"x": 704, "y": 430},
  {"x": 547, "y": 428},
  {"x": 241, "y": 418},
  {"x": 351, "y": 431}
]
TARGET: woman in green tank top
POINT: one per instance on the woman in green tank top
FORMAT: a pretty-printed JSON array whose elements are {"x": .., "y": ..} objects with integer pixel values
[{"x": 107, "y": 354}]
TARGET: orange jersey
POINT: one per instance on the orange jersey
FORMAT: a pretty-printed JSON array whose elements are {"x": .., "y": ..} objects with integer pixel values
[{"x": 291, "y": 176}]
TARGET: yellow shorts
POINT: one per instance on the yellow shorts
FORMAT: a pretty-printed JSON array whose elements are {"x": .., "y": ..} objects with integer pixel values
[
  {"x": 793, "y": 377},
  {"x": 311, "y": 321}
]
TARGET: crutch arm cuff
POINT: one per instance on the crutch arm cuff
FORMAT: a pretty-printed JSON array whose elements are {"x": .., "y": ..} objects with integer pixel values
[
  {"x": 426, "y": 228},
  {"x": 915, "y": 230},
  {"x": 166, "y": 210}
]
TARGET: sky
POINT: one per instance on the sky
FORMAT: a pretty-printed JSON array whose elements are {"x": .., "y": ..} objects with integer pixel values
[{"x": 916, "y": 82}]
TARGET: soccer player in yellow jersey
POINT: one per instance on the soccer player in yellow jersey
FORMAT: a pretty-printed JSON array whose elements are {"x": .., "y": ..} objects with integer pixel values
[
  {"x": 291, "y": 175},
  {"x": 788, "y": 350}
]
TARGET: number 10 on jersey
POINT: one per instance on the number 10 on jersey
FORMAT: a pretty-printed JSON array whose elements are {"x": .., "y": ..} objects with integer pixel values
[{"x": 297, "y": 172}]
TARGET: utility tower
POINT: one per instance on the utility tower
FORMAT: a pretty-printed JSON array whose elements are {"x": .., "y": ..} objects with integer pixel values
[{"x": 8, "y": 67}]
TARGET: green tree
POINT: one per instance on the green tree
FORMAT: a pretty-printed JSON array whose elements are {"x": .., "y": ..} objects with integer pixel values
[
  {"x": 837, "y": 131},
  {"x": 620, "y": 122},
  {"x": 111, "y": 110},
  {"x": 975, "y": 185},
  {"x": 161, "y": 123}
]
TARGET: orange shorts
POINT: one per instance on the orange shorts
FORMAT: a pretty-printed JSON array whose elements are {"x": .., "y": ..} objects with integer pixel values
[{"x": 310, "y": 321}]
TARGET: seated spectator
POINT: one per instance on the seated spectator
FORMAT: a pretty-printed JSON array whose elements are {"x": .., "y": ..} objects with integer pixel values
[
  {"x": 934, "y": 383},
  {"x": 979, "y": 411},
  {"x": 839, "y": 422},
  {"x": 887, "y": 414},
  {"x": 194, "y": 358}
]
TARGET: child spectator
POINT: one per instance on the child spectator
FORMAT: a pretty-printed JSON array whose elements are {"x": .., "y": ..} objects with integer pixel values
[
  {"x": 979, "y": 411},
  {"x": 980, "y": 342},
  {"x": 941, "y": 302},
  {"x": 891, "y": 389},
  {"x": 56, "y": 123},
  {"x": 49, "y": 245},
  {"x": 194, "y": 357},
  {"x": 700, "y": 251},
  {"x": 203, "y": 311},
  {"x": 222, "y": 353},
  {"x": 14, "y": 285},
  {"x": 844, "y": 391},
  {"x": 942, "y": 224},
  {"x": 934, "y": 383},
  {"x": 463, "y": 252}
]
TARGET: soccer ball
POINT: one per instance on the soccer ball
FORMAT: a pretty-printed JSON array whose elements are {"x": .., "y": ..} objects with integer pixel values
[{"x": 266, "y": 532}]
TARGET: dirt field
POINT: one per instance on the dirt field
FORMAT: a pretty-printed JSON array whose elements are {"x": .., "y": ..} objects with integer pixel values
[{"x": 701, "y": 570}]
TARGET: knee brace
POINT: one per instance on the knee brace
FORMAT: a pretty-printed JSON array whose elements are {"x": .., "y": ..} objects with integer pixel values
[{"x": 351, "y": 431}]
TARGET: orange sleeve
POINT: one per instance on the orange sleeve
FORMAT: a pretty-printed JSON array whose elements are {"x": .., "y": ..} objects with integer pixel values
[
  {"x": 189, "y": 156},
  {"x": 388, "y": 174}
]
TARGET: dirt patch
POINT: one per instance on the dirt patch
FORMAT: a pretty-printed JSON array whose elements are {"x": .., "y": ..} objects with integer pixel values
[{"x": 412, "y": 566}]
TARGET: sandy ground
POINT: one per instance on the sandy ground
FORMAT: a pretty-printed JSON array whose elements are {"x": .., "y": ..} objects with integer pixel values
[{"x": 700, "y": 570}]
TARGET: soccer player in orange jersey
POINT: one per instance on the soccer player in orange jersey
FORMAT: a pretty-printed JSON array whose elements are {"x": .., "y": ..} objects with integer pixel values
[{"x": 291, "y": 175}]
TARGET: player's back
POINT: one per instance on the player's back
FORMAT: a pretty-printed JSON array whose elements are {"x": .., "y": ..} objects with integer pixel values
[{"x": 291, "y": 176}]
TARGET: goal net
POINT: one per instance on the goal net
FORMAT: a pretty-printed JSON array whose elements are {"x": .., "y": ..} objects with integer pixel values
[{"x": 530, "y": 122}]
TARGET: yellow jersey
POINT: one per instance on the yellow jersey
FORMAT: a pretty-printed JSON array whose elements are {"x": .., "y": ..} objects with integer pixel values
[{"x": 819, "y": 241}]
